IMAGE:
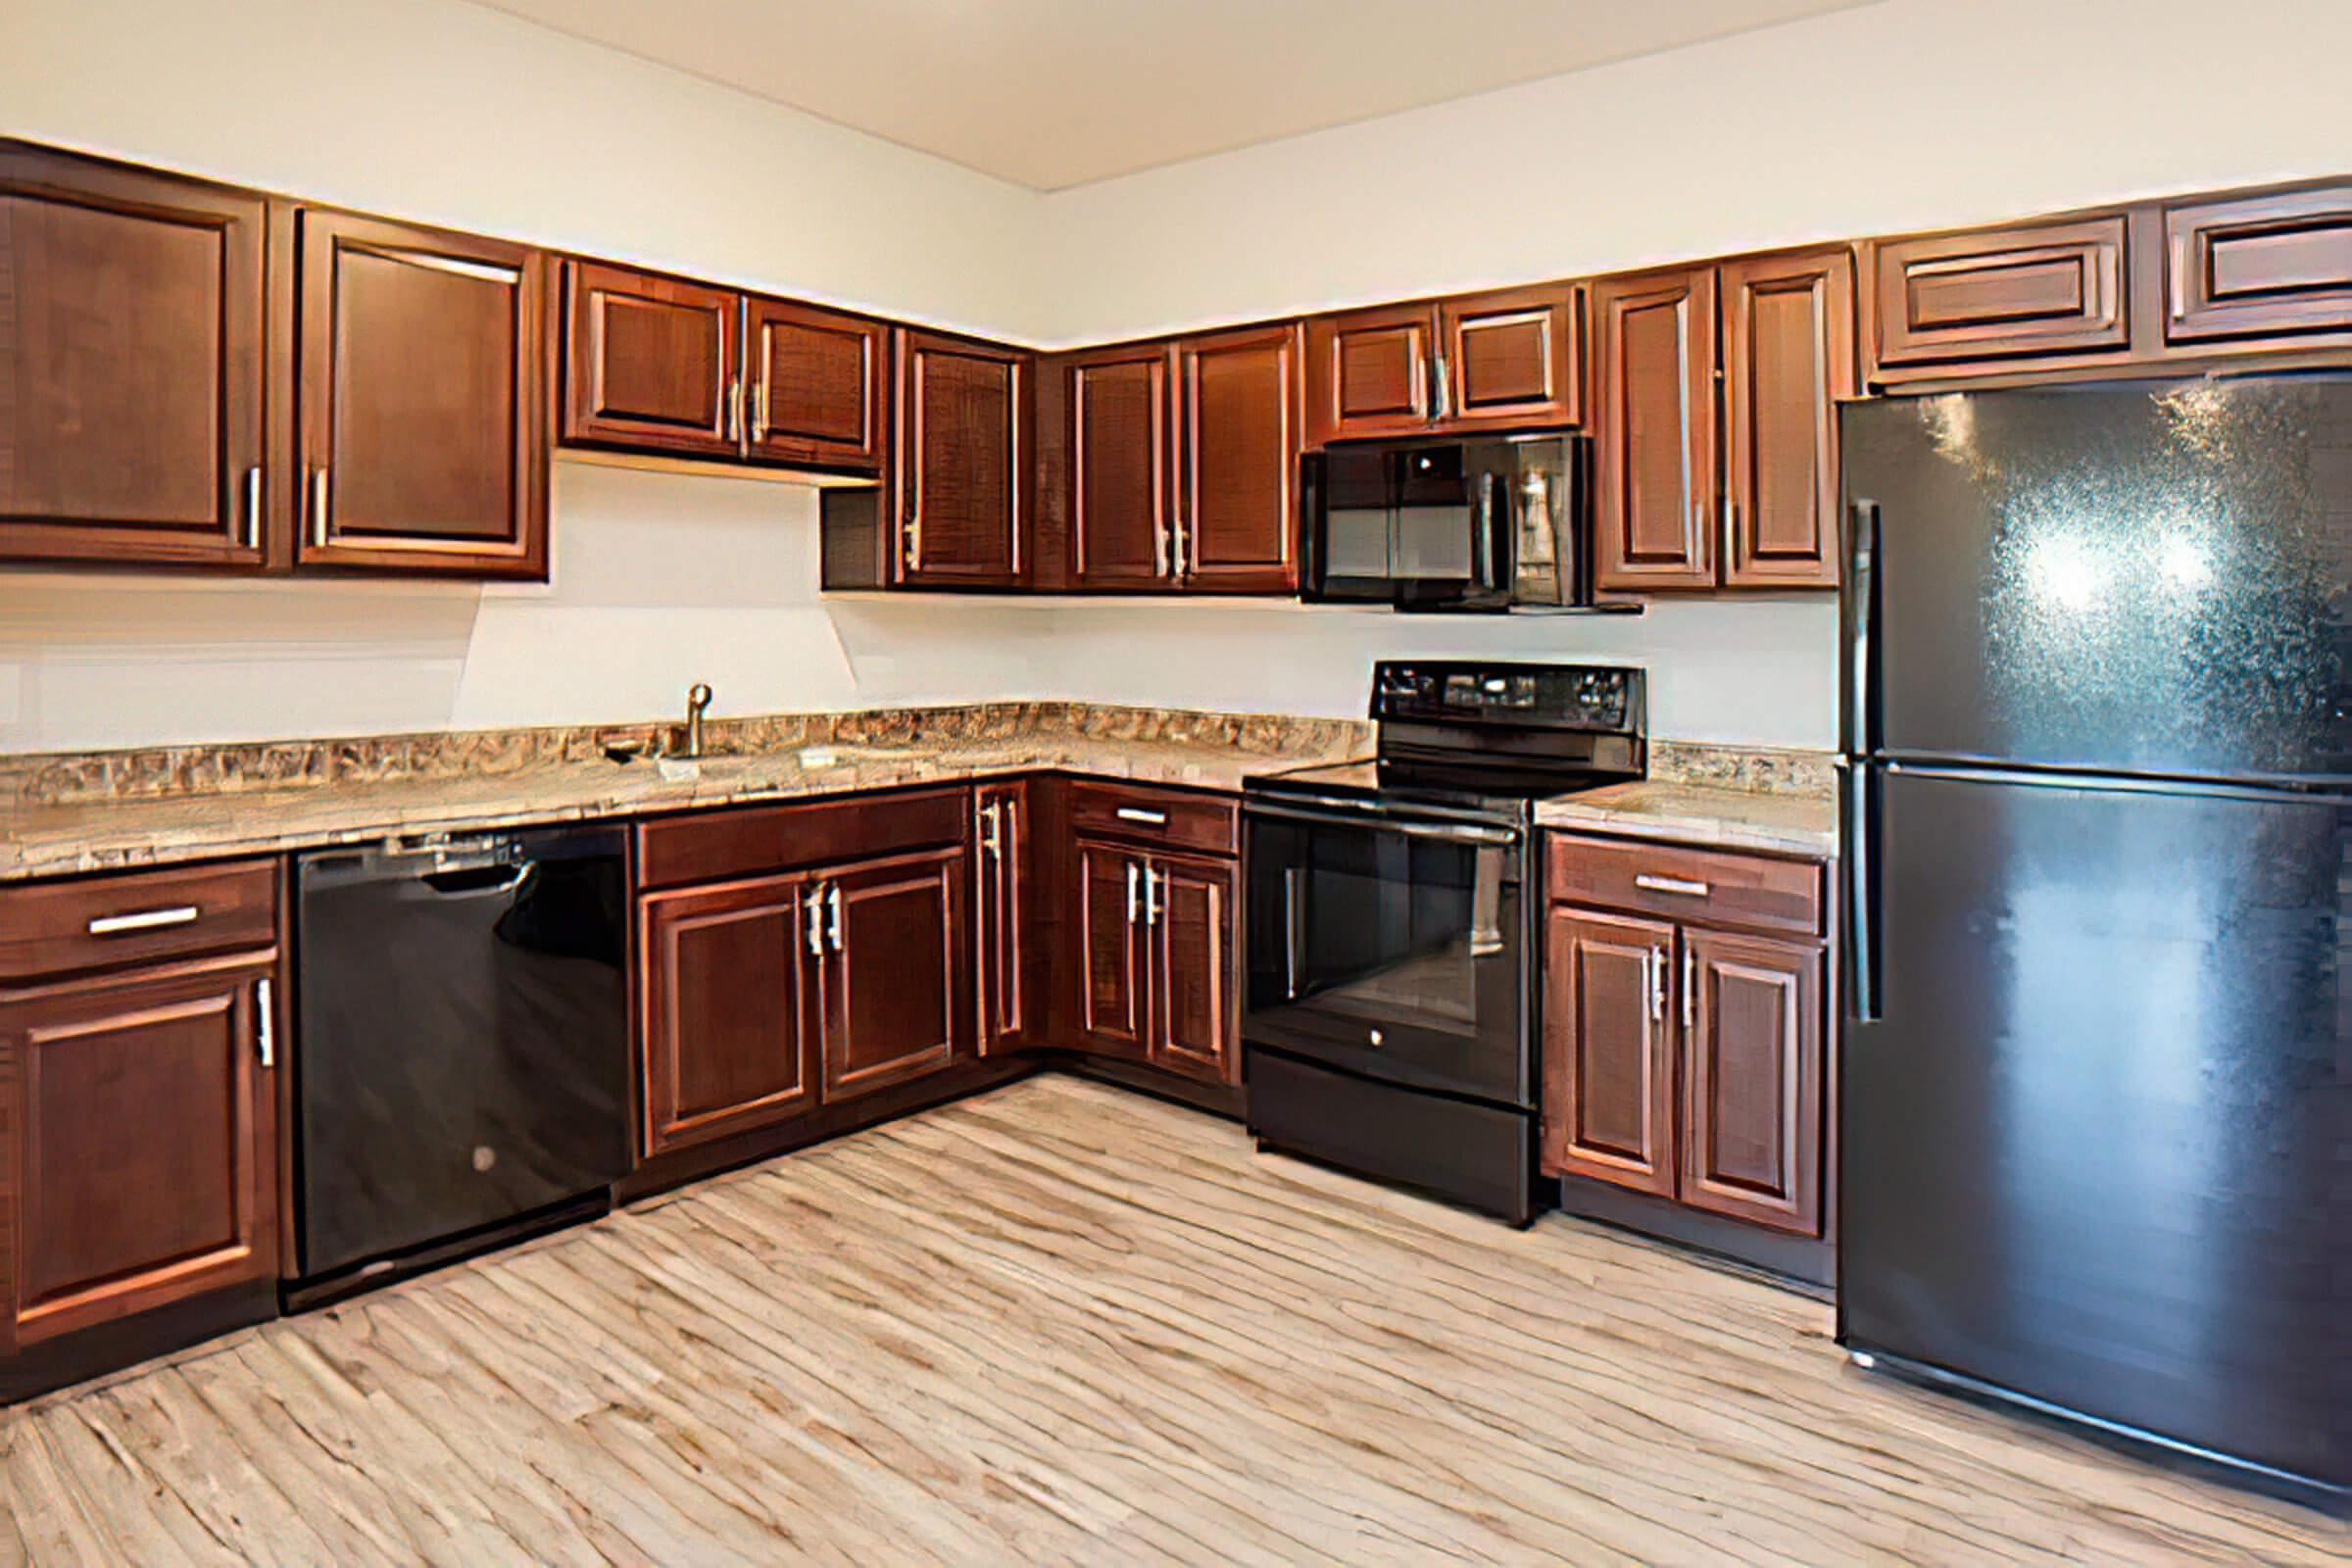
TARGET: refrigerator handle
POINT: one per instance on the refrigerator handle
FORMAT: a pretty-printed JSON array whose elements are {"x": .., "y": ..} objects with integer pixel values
[
  {"x": 1860, "y": 788},
  {"x": 1861, "y": 628}
]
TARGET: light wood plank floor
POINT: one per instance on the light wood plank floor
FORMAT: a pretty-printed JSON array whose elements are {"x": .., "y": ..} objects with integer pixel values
[{"x": 1063, "y": 1323}]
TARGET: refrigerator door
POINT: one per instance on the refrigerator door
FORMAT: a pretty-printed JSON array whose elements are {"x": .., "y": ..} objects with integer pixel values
[
  {"x": 2146, "y": 577},
  {"x": 2098, "y": 1140}
]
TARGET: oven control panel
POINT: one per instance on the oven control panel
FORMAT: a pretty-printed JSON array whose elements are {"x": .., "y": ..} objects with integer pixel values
[{"x": 1606, "y": 697}]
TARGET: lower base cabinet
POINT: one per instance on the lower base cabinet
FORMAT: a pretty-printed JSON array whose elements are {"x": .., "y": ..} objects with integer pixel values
[
  {"x": 1155, "y": 959},
  {"x": 1686, "y": 1055},
  {"x": 893, "y": 973}
]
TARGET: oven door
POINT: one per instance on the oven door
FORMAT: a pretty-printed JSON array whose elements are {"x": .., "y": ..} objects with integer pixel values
[{"x": 1389, "y": 943}]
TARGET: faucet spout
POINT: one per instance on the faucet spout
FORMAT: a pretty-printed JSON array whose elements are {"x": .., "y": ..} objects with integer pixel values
[{"x": 697, "y": 698}]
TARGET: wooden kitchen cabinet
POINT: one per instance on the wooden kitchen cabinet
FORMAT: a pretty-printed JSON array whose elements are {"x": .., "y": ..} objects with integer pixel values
[
  {"x": 132, "y": 365},
  {"x": 963, "y": 464},
  {"x": 1508, "y": 358},
  {"x": 1114, "y": 955},
  {"x": 2276, "y": 266},
  {"x": 422, "y": 381},
  {"x": 651, "y": 363},
  {"x": 1716, "y": 423},
  {"x": 1004, "y": 929},
  {"x": 1371, "y": 372},
  {"x": 1685, "y": 1028},
  {"x": 818, "y": 386},
  {"x": 1122, "y": 441},
  {"x": 892, "y": 975},
  {"x": 1237, "y": 463},
  {"x": 1189, "y": 909},
  {"x": 2047, "y": 291}
]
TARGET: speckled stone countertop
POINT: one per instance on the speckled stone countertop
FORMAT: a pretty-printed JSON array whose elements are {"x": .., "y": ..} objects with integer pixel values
[{"x": 1710, "y": 815}]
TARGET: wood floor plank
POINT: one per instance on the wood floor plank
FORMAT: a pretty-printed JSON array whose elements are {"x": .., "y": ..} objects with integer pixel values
[{"x": 1062, "y": 1323}]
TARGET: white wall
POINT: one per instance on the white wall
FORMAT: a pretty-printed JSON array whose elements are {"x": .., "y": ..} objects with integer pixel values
[{"x": 1904, "y": 114}]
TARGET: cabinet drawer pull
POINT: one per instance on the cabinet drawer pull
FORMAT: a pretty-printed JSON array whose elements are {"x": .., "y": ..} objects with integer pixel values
[
  {"x": 1671, "y": 884},
  {"x": 111, "y": 925},
  {"x": 1136, "y": 814}
]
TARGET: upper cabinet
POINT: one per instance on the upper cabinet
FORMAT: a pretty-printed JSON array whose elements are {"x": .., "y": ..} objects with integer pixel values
[
  {"x": 132, "y": 363},
  {"x": 664, "y": 366},
  {"x": 963, "y": 464},
  {"x": 2274, "y": 265},
  {"x": 421, "y": 384},
  {"x": 2041, "y": 290},
  {"x": 1238, "y": 461},
  {"x": 1510, "y": 358},
  {"x": 1121, "y": 455},
  {"x": 1715, "y": 422}
]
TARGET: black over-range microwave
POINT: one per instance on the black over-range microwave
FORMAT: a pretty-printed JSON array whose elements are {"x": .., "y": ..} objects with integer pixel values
[{"x": 1489, "y": 522}]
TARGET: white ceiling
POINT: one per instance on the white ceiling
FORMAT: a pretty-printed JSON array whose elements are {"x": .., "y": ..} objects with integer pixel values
[{"x": 1051, "y": 93}]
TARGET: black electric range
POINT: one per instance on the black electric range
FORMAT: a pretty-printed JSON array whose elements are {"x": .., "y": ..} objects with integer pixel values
[{"x": 1390, "y": 924}]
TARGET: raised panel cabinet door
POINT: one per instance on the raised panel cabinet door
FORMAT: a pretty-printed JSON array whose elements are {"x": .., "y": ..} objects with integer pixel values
[
  {"x": 1515, "y": 356},
  {"x": 1001, "y": 914},
  {"x": 2039, "y": 289},
  {"x": 963, "y": 455},
  {"x": 1114, "y": 990},
  {"x": 131, "y": 366},
  {"x": 651, "y": 363},
  {"x": 422, "y": 382},
  {"x": 1238, "y": 464},
  {"x": 1188, "y": 907},
  {"x": 1122, "y": 444},
  {"x": 1370, "y": 372},
  {"x": 819, "y": 386},
  {"x": 895, "y": 958},
  {"x": 2279, "y": 265},
  {"x": 1654, "y": 448},
  {"x": 728, "y": 1035},
  {"x": 1752, "y": 1057},
  {"x": 1608, "y": 1050},
  {"x": 1789, "y": 355},
  {"x": 138, "y": 1144}
]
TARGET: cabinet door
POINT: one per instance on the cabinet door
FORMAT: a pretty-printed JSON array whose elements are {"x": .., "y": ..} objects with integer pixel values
[
  {"x": 1788, "y": 356},
  {"x": 1001, "y": 914},
  {"x": 1369, "y": 372},
  {"x": 131, "y": 366},
  {"x": 1608, "y": 1050},
  {"x": 1752, "y": 1055},
  {"x": 138, "y": 1147},
  {"x": 1515, "y": 356},
  {"x": 1122, "y": 443},
  {"x": 728, "y": 1031},
  {"x": 1996, "y": 294},
  {"x": 2274, "y": 266},
  {"x": 1656, "y": 447},
  {"x": 650, "y": 363},
  {"x": 894, "y": 958},
  {"x": 818, "y": 386},
  {"x": 1113, "y": 958},
  {"x": 963, "y": 458},
  {"x": 422, "y": 382},
  {"x": 1189, "y": 908},
  {"x": 1237, "y": 526}
]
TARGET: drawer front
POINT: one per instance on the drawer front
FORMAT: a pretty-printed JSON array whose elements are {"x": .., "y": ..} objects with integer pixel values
[
  {"x": 2267, "y": 265},
  {"x": 108, "y": 922},
  {"x": 1704, "y": 886},
  {"x": 2047, "y": 288},
  {"x": 1209, "y": 823},
  {"x": 714, "y": 846}
]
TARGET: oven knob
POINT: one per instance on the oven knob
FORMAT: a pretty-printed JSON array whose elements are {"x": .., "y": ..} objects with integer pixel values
[{"x": 1377, "y": 1037}]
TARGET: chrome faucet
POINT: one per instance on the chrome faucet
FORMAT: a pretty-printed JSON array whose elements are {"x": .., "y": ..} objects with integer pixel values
[{"x": 697, "y": 698}]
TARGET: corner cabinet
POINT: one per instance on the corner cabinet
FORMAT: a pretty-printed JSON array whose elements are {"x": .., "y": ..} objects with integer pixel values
[
  {"x": 1685, "y": 1028},
  {"x": 422, "y": 373},
  {"x": 963, "y": 464}
]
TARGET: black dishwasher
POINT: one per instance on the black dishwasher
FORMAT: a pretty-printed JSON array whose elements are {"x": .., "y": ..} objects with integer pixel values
[{"x": 462, "y": 1076}]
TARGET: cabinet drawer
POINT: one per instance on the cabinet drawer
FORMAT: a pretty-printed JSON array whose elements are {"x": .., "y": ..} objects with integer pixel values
[
  {"x": 1704, "y": 886},
  {"x": 1167, "y": 817},
  {"x": 2264, "y": 265},
  {"x": 712, "y": 846},
  {"x": 108, "y": 923},
  {"x": 2044, "y": 288}
]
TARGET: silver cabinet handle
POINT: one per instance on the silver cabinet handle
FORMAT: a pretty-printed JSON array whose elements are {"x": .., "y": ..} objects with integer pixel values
[
  {"x": 812, "y": 910},
  {"x": 318, "y": 500},
  {"x": 991, "y": 842},
  {"x": 1689, "y": 988},
  {"x": 760, "y": 410},
  {"x": 1136, "y": 814},
  {"x": 1152, "y": 882},
  {"x": 253, "y": 507},
  {"x": 833, "y": 916},
  {"x": 1657, "y": 985},
  {"x": 264, "y": 1024},
  {"x": 1672, "y": 884},
  {"x": 1731, "y": 531},
  {"x": 1445, "y": 396},
  {"x": 115, "y": 925},
  {"x": 735, "y": 408},
  {"x": 1133, "y": 874}
]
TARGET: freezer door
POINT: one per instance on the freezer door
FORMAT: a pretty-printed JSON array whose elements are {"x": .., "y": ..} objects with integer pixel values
[
  {"x": 2099, "y": 1142},
  {"x": 2146, "y": 577}
]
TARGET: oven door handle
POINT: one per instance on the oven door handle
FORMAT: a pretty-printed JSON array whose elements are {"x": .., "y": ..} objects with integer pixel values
[{"x": 1369, "y": 817}]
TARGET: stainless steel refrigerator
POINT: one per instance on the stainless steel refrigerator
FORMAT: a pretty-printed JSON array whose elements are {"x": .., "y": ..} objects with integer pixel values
[{"x": 2096, "y": 1097}]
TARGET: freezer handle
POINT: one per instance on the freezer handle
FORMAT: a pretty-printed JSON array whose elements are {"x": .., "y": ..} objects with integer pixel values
[
  {"x": 1861, "y": 625},
  {"x": 1859, "y": 788}
]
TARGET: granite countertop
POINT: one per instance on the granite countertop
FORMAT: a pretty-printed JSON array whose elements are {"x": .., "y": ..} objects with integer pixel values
[
  {"x": 59, "y": 838},
  {"x": 1705, "y": 814}
]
